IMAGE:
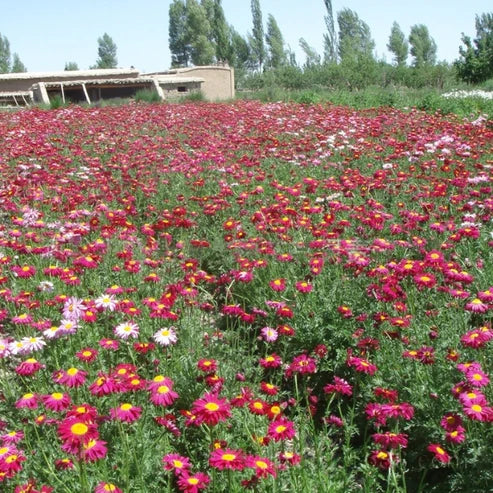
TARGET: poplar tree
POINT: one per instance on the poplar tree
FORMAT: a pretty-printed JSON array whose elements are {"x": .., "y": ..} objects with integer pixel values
[
  {"x": 221, "y": 34},
  {"x": 257, "y": 46},
  {"x": 17, "y": 65},
  {"x": 275, "y": 43},
  {"x": 398, "y": 45},
  {"x": 107, "y": 52},
  {"x": 177, "y": 34},
  {"x": 423, "y": 46},
  {"x": 4, "y": 54},
  {"x": 330, "y": 40},
  {"x": 354, "y": 36},
  {"x": 312, "y": 57},
  {"x": 198, "y": 34}
]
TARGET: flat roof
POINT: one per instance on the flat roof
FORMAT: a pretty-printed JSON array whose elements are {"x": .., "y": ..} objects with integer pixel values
[
  {"x": 62, "y": 74},
  {"x": 96, "y": 82}
]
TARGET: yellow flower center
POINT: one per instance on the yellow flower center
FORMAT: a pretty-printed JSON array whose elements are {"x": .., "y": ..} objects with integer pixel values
[
  {"x": 126, "y": 407},
  {"x": 79, "y": 429},
  {"x": 228, "y": 457},
  {"x": 211, "y": 406}
]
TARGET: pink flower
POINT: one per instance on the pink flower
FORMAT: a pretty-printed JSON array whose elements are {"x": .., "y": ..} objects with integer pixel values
[
  {"x": 269, "y": 334},
  {"x": 476, "y": 306},
  {"x": 56, "y": 401},
  {"x": 126, "y": 412}
]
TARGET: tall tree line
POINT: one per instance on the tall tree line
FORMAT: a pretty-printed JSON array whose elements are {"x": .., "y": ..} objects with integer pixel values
[
  {"x": 199, "y": 34},
  {"x": 9, "y": 62}
]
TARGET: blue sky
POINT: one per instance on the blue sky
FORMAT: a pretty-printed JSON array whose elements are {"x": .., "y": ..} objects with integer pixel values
[{"x": 48, "y": 34}]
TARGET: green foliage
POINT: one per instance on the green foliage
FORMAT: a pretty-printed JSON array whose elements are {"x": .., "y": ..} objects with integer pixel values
[
  {"x": 275, "y": 44},
  {"x": 398, "y": 45},
  {"x": 69, "y": 66},
  {"x": 56, "y": 102},
  {"x": 106, "y": 52},
  {"x": 354, "y": 36},
  {"x": 194, "y": 96},
  {"x": 476, "y": 62},
  {"x": 178, "y": 46},
  {"x": 221, "y": 34},
  {"x": 423, "y": 46},
  {"x": 312, "y": 57},
  {"x": 198, "y": 34},
  {"x": 147, "y": 96},
  {"x": 330, "y": 39},
  {"x": 17, "y": 65},
  {"x": 256, "y": 39},
  {"x": 4, "y": 55}
]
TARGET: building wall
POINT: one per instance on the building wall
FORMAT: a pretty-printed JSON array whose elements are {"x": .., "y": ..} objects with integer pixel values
[{"x": 219, "y": 82}]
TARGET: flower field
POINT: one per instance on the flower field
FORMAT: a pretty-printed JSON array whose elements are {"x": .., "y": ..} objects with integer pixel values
[{"x": 223, "y": 297}]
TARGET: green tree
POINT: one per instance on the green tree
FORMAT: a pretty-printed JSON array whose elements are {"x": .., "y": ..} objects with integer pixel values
[
  {"x": 476, "y": 62},
  {"x": 241, "y": 49},
  {"x": 221, "y": 34},
  {"x": 275, "y": 43},
  {"x": 107, "y": 52},
  {"x": 330, "y": 40},
  {"x": 398, "y": 45},
  {"x": 177, "y": 34},
  {"x": 4, "y": 55},
  {"x": 71, "y": 66},
  {"x": 257, "y": 47},
  {"x": 199, "y": 34},
  {"x": 423, "y": 46},
  {"x": 17, "y": 65},
  {"x": 312, "y": 58},
  {"x": 354, "y": 36}
]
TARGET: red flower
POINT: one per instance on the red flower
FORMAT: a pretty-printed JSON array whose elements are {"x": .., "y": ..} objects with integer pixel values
[
  {"x": 304, "y": 286},
  {"x": 76, "y": 432},
  {"x": 24, "y": 271},
  {"x": 439, "y": 453},
  {"x": 278, "y": 284},
  {"x": 176, "y": 463},
  {"x": 93, "y": 450},
  {"x": 87, "y": 354},
  {"x": 227, "y": 459},
  {"x": 271, "y": 361},
  {"x": 381, "y": 459},
  {"x": 301, "y": 364},
  {"x": 72, "y": 377},
  {"x": 210, "y": 409},
  {"x": 28, "y": 367},
  {"x": 104, "y": 487},
  {"x": 207, "y": 365},
  {"x": 263, "y": 466},
  {"x": 56, "y": 401},
  {"x": 164, "y": 395},
  {"x": 281, "y": 429},
  {"x": 192, "y": 483}
]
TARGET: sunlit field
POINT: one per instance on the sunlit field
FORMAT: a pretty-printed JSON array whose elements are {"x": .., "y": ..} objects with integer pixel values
[{"x": 228, "y": 297}]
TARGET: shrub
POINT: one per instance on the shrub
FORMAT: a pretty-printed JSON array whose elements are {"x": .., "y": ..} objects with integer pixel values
[{"x": 147, "y": 96}]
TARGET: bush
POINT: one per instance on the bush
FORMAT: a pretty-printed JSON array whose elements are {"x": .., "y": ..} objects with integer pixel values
[{"x": 147, "y": 96}]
